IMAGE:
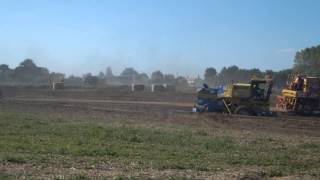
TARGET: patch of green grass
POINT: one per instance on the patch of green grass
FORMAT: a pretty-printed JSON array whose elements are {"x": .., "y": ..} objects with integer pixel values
[
  {"x": 180, "y": 178},
  {"x": 7, "y": 177},
  {"x": 126, "y": 178},
  {"x": 15, "y": 159},
  {"x": 27, "y": 138},
  {"x": 80, "y": 177}
]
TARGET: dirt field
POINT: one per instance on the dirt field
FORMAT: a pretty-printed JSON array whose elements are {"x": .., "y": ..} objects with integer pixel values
[
  {"x": 253, "y": 147},
  {"x": 114, "y": 93}
]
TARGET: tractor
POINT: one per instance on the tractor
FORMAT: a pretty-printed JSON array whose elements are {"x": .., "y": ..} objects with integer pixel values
[
  {"x": 301, "y": 96},
  {"x": 238, "y": 98}
]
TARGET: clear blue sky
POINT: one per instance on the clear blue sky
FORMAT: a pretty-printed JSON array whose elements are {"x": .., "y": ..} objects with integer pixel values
[{"x": 175, "y": 36}]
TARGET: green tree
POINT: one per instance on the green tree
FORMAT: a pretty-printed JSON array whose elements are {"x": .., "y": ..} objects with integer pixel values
[
  {"x": 210, "y": 76},
  {"x": 157, "y": 77},
  {"x": 181, "y": 82},
  {"x": 228, "y": 75},
  {"x": 129, "y": 72},
  {"x": 307, "y": 61},
  {"x": 142, "y": 78},
  {"x": 101, "y": 75},
  {"x": 91, "y": 80},
  {"x": 4, "y": 68},
  {"x": 74, "y": 81},
  {"x": 5, "y": 73},
  {"x": 29, "y": 72},
  {"x": 28, "y": 63},
  {"x": 280, "y": 77},
  {"x": 109, "y": 72},
  {"x": 128, "y": 76},
  {"x": 234, "y": 74},
  {"x": 169, "y": 79}
]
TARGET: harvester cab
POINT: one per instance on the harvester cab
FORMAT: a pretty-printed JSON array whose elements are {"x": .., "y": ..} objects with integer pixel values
[
  {"x": 258, "y": 89},
  {"x": 249, "y": 99}
]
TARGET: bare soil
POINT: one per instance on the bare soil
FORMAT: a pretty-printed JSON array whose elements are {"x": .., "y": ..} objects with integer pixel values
[{"x": 179, "y": 113}]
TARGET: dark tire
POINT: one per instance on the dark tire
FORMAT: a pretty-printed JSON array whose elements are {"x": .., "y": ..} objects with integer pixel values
[
  {"x": 307, "y": 110},
  {"x": 242, "y": 110}
]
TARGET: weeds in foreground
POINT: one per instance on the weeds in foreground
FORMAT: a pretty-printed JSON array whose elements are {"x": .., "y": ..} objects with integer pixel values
[{"x": 28, "y": 139}]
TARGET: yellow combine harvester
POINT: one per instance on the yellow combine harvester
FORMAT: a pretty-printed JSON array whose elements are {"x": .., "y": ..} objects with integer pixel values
[
  {"x": 301, "y": 97},
  {"x": 237, "y": 98},
  {"x": 248, "y": 99}
]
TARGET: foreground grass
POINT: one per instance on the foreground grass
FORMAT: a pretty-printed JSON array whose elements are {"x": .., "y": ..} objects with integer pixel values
[{"x": 29, "y": 139}]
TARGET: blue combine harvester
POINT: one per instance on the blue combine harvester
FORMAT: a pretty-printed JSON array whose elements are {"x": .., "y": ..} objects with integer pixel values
[{"x": 208, "y": 101}]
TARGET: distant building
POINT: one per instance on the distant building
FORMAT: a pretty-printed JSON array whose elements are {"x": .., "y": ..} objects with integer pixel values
[
  {"x": 57, "y": 85},
  {"x": 191, "y": 80}
]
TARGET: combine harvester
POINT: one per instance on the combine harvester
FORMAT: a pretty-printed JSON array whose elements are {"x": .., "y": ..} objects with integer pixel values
[
  {"x": 237, "y": 98},
  {"x": 301, "y": 97}
]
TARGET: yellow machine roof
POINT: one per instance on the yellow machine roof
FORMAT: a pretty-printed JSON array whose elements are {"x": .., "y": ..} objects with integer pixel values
[
  {"x": 242, "y": 84},
  {"x": 310, "y": 77}
]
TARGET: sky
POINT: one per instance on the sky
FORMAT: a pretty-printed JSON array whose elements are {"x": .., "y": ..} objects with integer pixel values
[{"x": 182, "y": 37}]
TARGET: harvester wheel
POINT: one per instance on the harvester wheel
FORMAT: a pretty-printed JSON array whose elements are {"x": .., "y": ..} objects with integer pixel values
[
  {"x": 307, "y": 110},
  {"x": 242, "y": 110}
]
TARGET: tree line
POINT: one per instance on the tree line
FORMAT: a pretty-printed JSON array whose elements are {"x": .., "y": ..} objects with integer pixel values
[
  {"x": 130, "y": 75},
  {"x": 28, "y": 73},
  {"x": 306, "y": 62},
  {"x": 234, "y": 74}
]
